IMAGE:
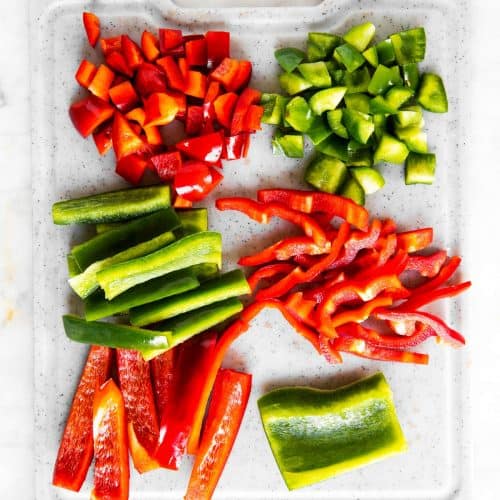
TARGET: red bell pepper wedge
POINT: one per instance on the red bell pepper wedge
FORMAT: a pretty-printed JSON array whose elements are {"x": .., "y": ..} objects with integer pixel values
[
  {"x": 124, "y": 96},
  {"x": 169, "y": 39},
  {"x": 204, "y": 148},
  {"x": 251, "y": 122},
  {"x": 213, "y": 92},
  {"x": 194, "y": 120},
  {"x": 116, "y": 61},
  {"x": 236, "y": 146},
  {"x": 89, "y": 113},
  {"x": 174, "y": 76},
  {"x": 445, "y": 273},
  {"x": 225, "y": 414},
  {"x": 194, "y": 361},
  {"x": 248, "y": 97},
  {"x": 111, "y": 44},
  {"x": 160, "y": 109},
  {"x": 242, "y": 77},
  {"x": 224, "y": 106},
  {"x": 267, "y": 272},
  {"x": 150, "y": 46},
  {"x": 149, "y": 79},
  {"x": 131, "y": 168},
  {"x": 92, "y": 27},
  {"x": 136, "y": 115},
  {"x": 195, "y": 180},
  {"x": 102, "y": 138},
  {"x": 196, "y": 52},
  {"x": 195, "y": 84},
  {"x": 135, "y": 385},
  {"x": 427, "y": 265},
  {"x": 163, "y": 377},
  {"x": 311, "y": 202},
  {"x": 125, "y": 140},
  {"x": 183, "y": 68},
  {"x": 85, "y": 73},
  {"x": 181, "y": 102},
  {"x": 77, "y": 446},
  {"x": 132, "y": 52},
  {"x": 167, "y": 164},
  {"x": 218, "y": 46},
  {"x": 102, "y": 81},
  {"x": 225, "y": 72},
  {"x": 153, "y": 136},
  {"x": 418, "y": 239},
  {"x": 111, "y": 473}
]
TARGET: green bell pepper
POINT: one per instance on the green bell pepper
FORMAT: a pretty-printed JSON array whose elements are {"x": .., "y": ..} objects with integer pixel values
[
  {"x": 359, "y": 125},
  {"x": 432, "y": 94},
  {"x": 334, "y": 119},
  {"x": 326, "y": 173},
  {"x": 289, "y": 58},
  {"x": 316, "y": 73},
  {"x": 368, "y": 178},
  {"x": 385, "y": 52},
  {"x": 360, "y": 36},
  {"x": 411, "y": 76},
  {"x": 298, "y": 114},
  {"x": 382, "y": 79},
  {"x": 359, "y": 102},
  {"x": 193, "y": 220},
  {"x": 420, "y": 168},
  {"x": 327, "y": 99},
  {"x": 414, "y": 138},
  {"x": 371, "y": 55},
  {"x": 291, "y": 145},
  {"x": 409, "y": 46},
  {"x": 391, "y": 150},
  {"x": 272, "y": 110},
  {"x": 334, "y": 147},
  {"x": 292, "y": 83},
  {"x": 353, "y": 190},
  {"x": 347, "y": 55},
  {"x": 73, "y": 267},
  {"x": 359, "y": 155},
  {"x": 319, "y": 130},
  {"x": 320, "y": 45},
  {"x": 357, "y": 81}
]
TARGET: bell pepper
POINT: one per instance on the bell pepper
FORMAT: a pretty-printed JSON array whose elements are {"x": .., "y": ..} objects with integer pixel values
[
  {"x": 444, "y": 274},
  {"x": 242, "y": 76},
  {"x": 196, "y": 52},
  {"x": 124, "y": 96},
  {"x": 387, "y": 250},
  {"x": 310, "y": 202},
  {"x": 125, "y": 140},
  {"x": 301, "y": 307},
  {"x": 183, "y": 68},
  {"x": 163, "y": 378},
  {"x": 111, "y": 472},
  {"x": 181, "y": 202},
  {"x": 195, "y": 180},
  {"x": 142, "y": 421},
  {"x": 85, "y": 73},
  {"x": 269, "y": 271},
  {"x": 174, "y": 76},
  {"x": 89, "y": 113},
  {"x": 412, "y": 241},
  {"x": 76, "y": 448},
  {"x": 251, "y": 122},
  {"x": 111, "y": 44},
  {"x": 421, "y": 299},
  {"x": 225, "y": 414},
  {"x": 218, "y": 46},
  {"x": 131, "y": 168},
  {"x": 248, "y": 97},
  {"x": 177, "y": 421},
  {"x": 206, "y": 148},
  {"x": 213, "y": 92},
  {"x": 132, "y": 52},
  {"x": 194, "y": 120},
  {"x": 225, "y": 72},
  {"x": 181, "y": 102},
  {"x": 92, "y": 27},
  {"x": 149, "y": 79},
  {"x": 224, "y": 106},
  {"x": 102, "y": 138},
  {"x": 100, "y": 84},
  {"x": 116, "y": 61},
  {"x": 160, "y": 109},
  {"x": 395, "y": 265},
  {"x": 195, "y": 84},
  {"x": 169, "y": 39},
  {"x": 427, "y": 265},
  {"x": 167, "y": 164},
  {"x": 236, "y": 146},
  {"x": 150, "y": 46}
]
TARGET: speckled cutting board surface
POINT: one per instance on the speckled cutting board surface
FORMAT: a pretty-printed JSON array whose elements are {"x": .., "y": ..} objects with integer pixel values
[{"x": 432, "y": 401}]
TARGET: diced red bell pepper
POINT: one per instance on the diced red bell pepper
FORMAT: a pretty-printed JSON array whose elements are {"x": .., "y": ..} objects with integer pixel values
[
  {"x": 150, "y": 46},
  {"x": 248, "y": 97},
  {"x": 160, "y": 109},
  {"x": 251, "y": 122},
  {"x": 194, "y": 120},
  {"x": 242, "y": 77},
  {"x": 100, "y": 84},
  {"x": 195, "y": 180},
  {"x": 218, "y": 46},
  {"x": 224, "y": 107},
  {"x": 213, "y": 92},
  {"x": 195, "y": 84},
  {"x": 236, "y": 146},
  {"x": 102, "y": 138},
  {"x": 167, "y": 164},
  {"x": 85, "y": 73},
  {"x": 116, "y": 61},
  {"x": 412, "y": 241},
  {"x": 77, "y": 446},
  {"x": 226, "y": 72},
  {"x": 89, "y": 113},
  {"x": 169, "y": 39},
  {"x": 181, "y": 101},
  {"x": 125, "y": 140},
  {"x": 267, "y": 272},
  {"x": 111, "y": 44},
  {"x": 92, "y": 27},
  {"x": 111, "y": 472},
  {"x": 388, "y": 227},
  {"x": 135, "y": 385},
  {"x": 131, "y": 168},
  {"x": 427, "y": 265},
  {"x": 149, "y": 80},
  {"x": 132, "y": 52},
  {"x": 183, "y": 68},
  {"x": 204, "y": 148},
  {"x": 196, "y": 52},
  {"x": 225, "y": 414},
  {"x": 163, "y": 376},
  {"x": 181, "y": 202},
  {"x": 124, "y": 96},
  {"x": 136, "y": 115},
  {"x": 174, "y": 76},
  {"x": 153, "y": 135}
]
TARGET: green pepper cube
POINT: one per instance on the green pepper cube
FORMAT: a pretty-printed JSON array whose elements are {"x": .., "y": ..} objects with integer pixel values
[
  {"x": 371, "y": 55},
  {"x": 409, "y": 46},
  {"x": 298, "y": 114},
  {"x": 381, "y": 80},
  {"x": 397, "y": 79},
  {"x": 272, "y": 109},
  {"x": 379, "y": 105},
  {"x": 352, "y": 189},
  {"x": 357, "y": 81},
  {"x": 347, "y": 55},
  {"x": 380, "y": 122},
  {"x": 331, "y": 66},
  {"x": 338, "y": 76},
  {"x": 291, "y": 145},
  {"x": 334, "y": 119},
  {"x": 314, "y": 52},
  {"x": 326, "y": 173},
  {"x": 385, "y": 52},
  {"x": 397, "y": 96},
  {"x": 320, "y": 45},
  {"x": 420, "y": 168},
  {"x": 359, "y": 155},
  {"x": 408, "y": 116},
  {"x": 431, "y": 94},
  {"x": 414, "y": 138},
  {"x": 359, "y": 125},
  {"x": 289, "y": 58},
  {"x": 319, "y": 130},
  {"x": 316, "y": 73},
  {"x": 282, "y": 101},
  {"x": 334, "y": 147},
  {"x": 327, "y": 99},
  {"x": 292, "y": 83},
  {"x": 360, "y": 36},
  {"x": 370, "y": 179},
  {"x": 391, "y": 150},
  {"x": 359, "y": 102},
  {"x": 411, "y": 76}
]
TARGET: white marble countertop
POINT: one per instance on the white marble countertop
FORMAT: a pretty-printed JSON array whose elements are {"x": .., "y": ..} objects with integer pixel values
[{"x": 16, "y": 357}]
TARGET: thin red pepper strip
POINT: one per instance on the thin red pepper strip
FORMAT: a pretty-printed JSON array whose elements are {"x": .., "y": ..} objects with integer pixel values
[
  {"x": 162, "y": 374},
  {"x": 395, "y": 265},
  {"x": 417, "y": 301},
  {"x": 442, "y": 330},
  {"x": 388, "y": 227},
  {"x": 330, "y": 353},
  {"x": 309, "y": 202},
  {"x": 262, "y": 212},
  {"x": 387, "y": 251},
  {"x": 319, "y": 293},
  {"x": 224, "y": 417},
  {"x": 269, "y": 271},
  {"x": 445, "y": 273},
  {"x": 418, "y": 239},
  {"x": 427, "y": 265},
  {"x": 302, "y": 308}
]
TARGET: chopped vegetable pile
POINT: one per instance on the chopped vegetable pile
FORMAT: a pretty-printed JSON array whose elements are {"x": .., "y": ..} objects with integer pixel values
[{"x": 359, "y": 105}]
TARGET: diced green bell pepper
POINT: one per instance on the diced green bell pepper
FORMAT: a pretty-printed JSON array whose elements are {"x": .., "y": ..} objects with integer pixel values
[
  {"x": 379, "y": 105},
  {"x": 397, "y": 96},
  {"x": 272, "y": 109},
  {"x": 431, "y": 94},
  {"x": 289, "y": 58},
  {"x": 370, "y": 179},
  {"x": 408, "y": 116},
  {"x": 320, "y": 45},
  {"x": 334, "y": 147},
  {"x": 359, "y": 125},
  {"x": 360, "y": 36},
  {"x": 316, "y": 73},
  {"x": 347, "y": 55},
  {"x": 291, "y": 145},
  {"x": 352, "y": 189},
  {"x": 293, "y": 83},
  {"x": 339, "y": 76},
  {"x": 391, "y": 150},
  {"x": 327, "y": 99},
  {"x": 397, "y": 79},
  {"x": 382, "y": 79},
  {"x": 385, "y": 52},
  {"x": 319, "y": 130},
  {"x": 414, "y": 138},
  {"x": 371, "y": 55},
  {"x": 380, "y": 122},
  {"x": 334, "y": 119},
  {"x": 326, "y": 173},
  {"x": 73, "y": 267},
  {"x": 357, "y": 81},
  {"x": 409, "y": 46},
  {"x": 420, "y": 168},
  {"x": 411, "y": 76},
  {"x": 298, "y": 114},
  {"x": 359, "y": 155},
  {"x": 359, "y": 102}
]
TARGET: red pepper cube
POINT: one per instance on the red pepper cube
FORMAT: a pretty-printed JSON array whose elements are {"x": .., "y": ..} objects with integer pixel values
[
  {"x": 242, "y": 76},
  {"x": 167, "y": 164},
  {"x": 116, "y": 61},
  {"x": 183, "y": 67},
  {"x": 169, "y": 39},
  {"x": 194, "y": 120},
  {"x": 224, "y": 107},
  {"x": 174, "y": 76},
  {"x": 248, "y": 97},
  {"x": 92, "y": 27},
  {"x": 206, "y": 148},
  {"x": 225, "y": 72},
  {"x": 100, "y": 84},
  {"x": 181, "y": 100},
  {"x": 236, "y": 146},
  {"x": 132, "y": 52},
  {"x": 195, "y": 180},
  {"x": 149, "y": 79},
  {"x": 251, "y": 122},
  {"x": 131, "y": 168},
  {"x": 124, "y": 96},
  {"x": 196, "y": 52},
  {"x": 153, "y": 135},
  {"x": 85, "y": 73},
  {"x": 112, "y": 44},
  {"x": 89, "y": 113},
  {"x": 218, "y": 46},
  {"x": 160, "y": 109},
  {"x": 213, "y": 92},
  {"x": 150, "y": 46},
  {"x": 196, "y": 84},
  {"x": 102, "y": 138},
  {"x": 126, "y": 139},
  {"x": 136, "y": 115}
]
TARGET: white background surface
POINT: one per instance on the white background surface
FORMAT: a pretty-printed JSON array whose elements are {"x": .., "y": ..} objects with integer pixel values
[{"x": 16, "y": 359}]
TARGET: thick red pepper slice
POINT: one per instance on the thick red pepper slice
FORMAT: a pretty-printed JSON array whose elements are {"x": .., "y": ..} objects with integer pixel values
[
  {"x": 196, "y": 52},
  {"x": 111, "y": 44},
  {"x": 419, "y": 300},
  {"x": 77, "y": 445},
  {"x": 213, "y": 92},
  {"x": 236, "y": 146},
  {"x": 427, "y": 265},
  {"x": 85, "y": 73},
  {"x": 194, "y": 361},
  {"x": 125, "y": 140},
  {"x": 102, "y": 81},
  {"x": 174, "y": 76},
  {"x": 225, "y": 72},
  {"x": 149, "y": 79},
  {"x": 248, "y": 97},
  {"x": 418, "y": 239},
  {"x": 218, "y": 46},
  {"x": 163, "y": 377},
  {"x": 387, "y": 250},
  {"x": 310, "y": 202},
  {"x": 89, "y": 113},
  {"x": 102, "y": 138},
  {"x": 116, "y": 61},
  {"x": 224, "y": 106},
  {"x": 225, "y": 414},
  {"x": 92, "y": 27},
  {"x": 445, "y": 273},
  {"x": 169, "y": 39},
  {"x": 195, "y": 180},
  {"x": 160, "y": 109},
  {"x": 132, "y": 168},
  {"x": 204, "y": 148},
  {"x": 124, "y": 96},
  {"x": 150, "y": 46},
  {"x": 395, "y": 265},
  {"x": 251, "y": 122},
  {"x": 267, "y": 272},
  {"x": 195, "y": 84},
  {"x": 132, "y": 52},
  {"x": 242, "y": 76},
  {"x": 111, "y": 472},
  {"x": 167, "y": 164}
]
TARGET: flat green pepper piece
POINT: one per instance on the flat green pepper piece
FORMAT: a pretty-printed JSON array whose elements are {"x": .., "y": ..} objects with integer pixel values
[
  {"x": 73, "y": 267},
  {"x": 397, "y": 96},
  {"x": 409, "y": 46},
  {"x": 347, "y": 55},
  {"x": 193, "y": 220},
  {"x": 353, "y": 190},
  {"x": 359, "y": 155},
  {"x": 292, "y": 83},
  {"x": 357, "y": 81},
  {"x": 289, "y": 58},
  {"x": 316, "y": 73},
  {"x": 411, "y": 76},
  {"x": 371, "y": 55},
  {"x": 385, "y": 52},
  {"x": 414, "y": 138},
  {"x": 320, "y": 45},
  {"x": 298, "y": 114},
  {"x": 380, "y": 122},
  {"x": 391, "y": 150},
  {"x": 272, "y": 109},
  {"x": 370, "y": 179},
  {"x": 327, "y": 99},
  {"x": 291, "y": 145},
  {"x": 378, "y": 105},
  {"x": 359, "y": 102},
  {"x": 359, "y": 125},
  {"x": 319, "y": 130},
  {"x": 431, "y": 94},
  {"x": 334, "y": 119},
  {"x": 420, "y": 168},
  {"x": 326, "y": 173},
  {"x": 334, "y": 147},
  {"x": 382, "y": 79},
  {"x": 360, "y": 36},
  {"x": 409, "y": 116}
]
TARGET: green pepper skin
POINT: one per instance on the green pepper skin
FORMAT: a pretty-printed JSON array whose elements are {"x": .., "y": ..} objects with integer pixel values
[
  {"x": 289, "y": 58},
  {"x": 298, "y": 114}
]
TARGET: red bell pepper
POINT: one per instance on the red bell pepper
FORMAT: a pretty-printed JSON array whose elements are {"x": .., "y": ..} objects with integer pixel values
[
  {"x": 236, "y": 146},
  {"x": 150, "y": 46},
  {"x": 387, "y": 250},
  {"x": 194, "y": 361},
  {"x": 302, "y": 308},
  {"x": 195, "y": 180},
  {"x": 163, "y": 377},
  {"x": 111, "y": 44},
  {"x": 242, "y": 76},
  {"x": 169, "y": 39},
  {"x": 174, "y": 76},
  {"x": 160, "y": 109},
  {"x": 92, "y": 27},
  {"x": 224, "y": 106},
  {"x": 204, "y": 148},
  {"x": 248, "y": 97},
  {"x": 85, "y": 73},
  {"x": 195, "y": 84},
  {"x": 77, "y": 446},
  {"x": 421, "y": 299},
  {"x": 102, "y": 81},
  {"x": 225, "y": 414},
  {"x": 135, "y": 385},
  {"x": 132, "y": 52},
  {"x": 116, "y": 61},
  {"x": 412, "y": 241},
  {"x": 149, "y": 79},
  {"x": 89, "y": 113},
  {"x": 124, "y": 96},
  {"x": 319, "y": 293},
  {"x": 181, "y": 202},
  {"x": 125, "y": 140},
  {"x": 251, "y": 122},
  {"x": 181, "y": 102},
  {"x": 213, "y": 92},
  {"x": 269, "y": 271},
  {"x": 311, "y": 202},
  {"x": 388, "y": 227},
  {"x": 153, "y": 136},
  {"x": 183, "y": 68},
  {"x": 225, "y": 72},
  {"x": 194, "y": 120},
  {"x": 102, "y": 138},
  {"x": 445, "y": 273},
  {"x": 111, "y": 472},
  {"x": 327, "y": 350},
  {"x": 218, "y": 46},
  {"x": 131, "y": 168},
  {"x": 196, "y": 52},
  {"x": 167, "y": 164},
  {"x": 395, "y": 265},
  {"x": 136, "y": 115},
  {"x": 427, "y": 265}
]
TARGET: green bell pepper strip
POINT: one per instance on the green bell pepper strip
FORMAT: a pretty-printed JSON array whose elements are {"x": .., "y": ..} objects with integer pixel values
[
  {"x": 289, "y": 58},
  {"x": 102, "y": 227},
  {"x": 231, "y": 284},
  {"x": 317, "y": 434},
  {"x": 125, "y": 236},
  {"x": 291, "y": 145},
  {"x": 333, "y": 146},
  {"x": 319, "y": 130},
  {"x": 357, "y": 81},
  {"x": 316, "y": 73},
  {"x": 411, "y": 76},
  {"x": 360, "y": 36},
  {"x": 391, "y": 150},
  {"x": 385, "y": 52},
  {"x": 409, "y": 46},
  {"x": 320, "y": 45},
  {"x": 431, "y": 94},
  {"x": 86, "y": 283},
  {"x": 97, "y": 307},
  {"x": 205, "y": 271},
  {"x": 334, "y": 119},
  {"x": 73, "y": 267},
  {"x": 113, "y": 206},
  {"x": 326, "y": 173},
  {"x": 353, "y": 190},
  {"x": 292, "y": 83},
  {"x": 359, "y": 125},
  {"x": 347, "y": 55},
  {"x": 298, "y": 114},
  {"x": 327, "y": 99},
  {"x": 193, "y": 220},
  {"x": 203, "y": 247},
  {"x": 420, "y": 168},
  {"x": 148, "y": 342}
]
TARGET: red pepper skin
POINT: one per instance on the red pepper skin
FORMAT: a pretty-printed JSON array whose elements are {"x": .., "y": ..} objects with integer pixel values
[
  {"x": 89, "y": 113},
  {"x": 427, "y": 265},
  {"x": 195, "y": 180},
  {"x": 195, "y": 359},
  {"x": 194, "y": 120},
  {"x": 174, "y": 76},
  {"x": 394, "y": 265},
  {"x": 183, "y": 68},
  {"x": 242, "y": 77},
  {"x": 181, "y": 101},
  {"x": 225, "y": 414},
  {"x": 225, "y": 72},
  {"x": 412, "y": 241},
  {"x": 85, "y": 73},
  {"x": 224, "y": 106},
  {"x": 132, "y": 52},
  {"x": 124, "y": 96},
  {"x": 236, "y": 146},
  {"x": 92, "y": 27},
  {"x": 111, "y": 44},
  {"x": 77, "y": 446},
  {"x": 169, "y": 39},
  {"x": 302, "y": 308},
  {"x": 389, "y": 247},
  {"x": 204, "y": 148},
  {"x": 213, "y": 92},
  {"x": 248, "y": 97},
  {"x": 327, "y": 350},
  {"x": 102, "y": 81},
  {"x": 445, "y": 273},
  {"x": 167, "y": 164},
  {"x": 131, "y": 168},
  {"x": 102, "y": 138},
  {"x": 269, "y": 271},
  {"x": 195, "y": 84},
  {"x": 388, "y": 227},
  {"x": 111, "y": 473},
  {"x": 125, "y": 140},
  {"x": 160, "y": 109},
  {"x": 163, "y": 377},
  {"x": 196, "y": 52},
  {"x": 116, "y": 61},
  {"x": 218, "y": 46},
  {"x": 251, "y": 122},
  {"x": 310, "y": 202},
  {"x": 419, "y": 300},
  {"x": 150, "y": 46},
  {"x": 149, "y": 79}
]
